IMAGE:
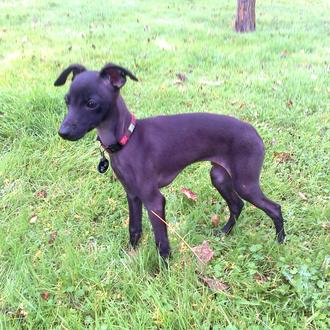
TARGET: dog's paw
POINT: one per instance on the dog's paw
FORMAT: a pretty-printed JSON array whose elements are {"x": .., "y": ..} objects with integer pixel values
[
  {"x": 135, "y": 240},
  {"x": 227, "y": 228},
  {"x": 281, "y": 237}
]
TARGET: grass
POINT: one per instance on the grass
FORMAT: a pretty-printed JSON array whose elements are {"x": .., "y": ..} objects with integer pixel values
[{"x": 85, "y": 277}]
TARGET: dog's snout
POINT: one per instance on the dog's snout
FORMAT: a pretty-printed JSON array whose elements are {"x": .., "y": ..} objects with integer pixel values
[
  {"x": 71, "y": 132},
  {"x": 67, "y": 132},
  {"x": 64, "y": 132}
]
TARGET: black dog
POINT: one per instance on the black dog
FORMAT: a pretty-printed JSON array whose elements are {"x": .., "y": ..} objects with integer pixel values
[{"x": 149, "y": 156}]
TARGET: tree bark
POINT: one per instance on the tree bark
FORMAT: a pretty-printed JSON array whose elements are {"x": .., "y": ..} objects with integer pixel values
[{"x": 246, "y": 16}]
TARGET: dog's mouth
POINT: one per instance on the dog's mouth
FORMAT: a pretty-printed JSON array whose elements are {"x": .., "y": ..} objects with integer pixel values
[
  {"x": 70, "y": 135},
  {"x": 67, "y": 134}
]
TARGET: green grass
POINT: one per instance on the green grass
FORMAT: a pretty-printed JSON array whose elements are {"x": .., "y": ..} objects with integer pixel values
[{"x": 92, "y": 280}]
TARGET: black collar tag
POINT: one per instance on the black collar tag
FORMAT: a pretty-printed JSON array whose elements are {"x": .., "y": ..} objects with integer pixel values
[{"x": 103, "y": 165}]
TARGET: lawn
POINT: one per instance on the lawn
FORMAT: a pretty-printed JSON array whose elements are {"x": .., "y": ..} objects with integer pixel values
[{"x": 64, "y": 258}]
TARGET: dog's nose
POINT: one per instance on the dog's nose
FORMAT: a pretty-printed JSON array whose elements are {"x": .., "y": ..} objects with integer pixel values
[{"x": 64, "y": 132}]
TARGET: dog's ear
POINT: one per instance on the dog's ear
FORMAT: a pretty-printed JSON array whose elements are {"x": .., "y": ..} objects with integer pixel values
[
  {"x": 74, "y": 68},
  {"x": 116, "y": 74}
]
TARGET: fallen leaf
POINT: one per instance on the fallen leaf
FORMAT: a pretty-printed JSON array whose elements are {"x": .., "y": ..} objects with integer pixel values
[
  {"x": 229, "y": 267},
  {"x": 163, "y": 44},
  {"x": 181, "y": 79},
  {"x": 283, "y": 157},
  {"x": 33, "y": 219},
  {"x": 44, "y": 295},
  {"x": 183, "y": 247},
  {"x": 289, "y": 104},
  {"x": 284, "y": 53},
  {"x": 241, "y": 106},
  {"x": 52, "y": 237},
  {"x": 177, "y": 82},
  {"x": 260, "y": 278},
  {"x": 132, "y": 252},
  {"x": 41, "y": 193},
  {"x": 189, "y": 194},
  {"x": 326, "y": 225},
  {"x": 302, "y": 196},
  {"x": 204, "y": 252},
  {"x": 38, "y": 254},
  {"x": 181, "y": 76},
  {"x": 21, "y": 313},
  {"x": 210, "y": 82},
  {"x": 215, "y": 220},
  {"x": 214, "y": 201},
  {"x": 215, "y": 285}
]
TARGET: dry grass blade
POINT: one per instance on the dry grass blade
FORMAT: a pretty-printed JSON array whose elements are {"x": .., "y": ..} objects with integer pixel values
[{"x": 177, "y": 234}]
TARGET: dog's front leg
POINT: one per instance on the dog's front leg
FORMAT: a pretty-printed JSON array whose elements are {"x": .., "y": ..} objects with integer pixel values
[
  {"x": 135, "y": 219},
  {"x": 155, "y": 202}
]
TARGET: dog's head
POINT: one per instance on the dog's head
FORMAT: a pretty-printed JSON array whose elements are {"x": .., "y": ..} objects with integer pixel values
[{"x": 91, "y": 96}]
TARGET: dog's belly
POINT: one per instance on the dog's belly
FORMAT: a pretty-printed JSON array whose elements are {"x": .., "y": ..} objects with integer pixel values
[{"x": 166, "y": 178}]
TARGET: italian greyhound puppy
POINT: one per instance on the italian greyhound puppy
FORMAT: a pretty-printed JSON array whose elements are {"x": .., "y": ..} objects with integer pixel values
[{"x": 148, "y": 154}]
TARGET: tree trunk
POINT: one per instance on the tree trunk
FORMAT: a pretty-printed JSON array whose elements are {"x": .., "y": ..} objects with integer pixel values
[{"x": 246, "y": 16}]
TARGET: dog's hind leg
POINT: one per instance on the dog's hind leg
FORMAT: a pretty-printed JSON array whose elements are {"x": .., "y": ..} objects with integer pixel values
[
  {"x": 252, "y": 193},
  {"x": 245, "y": 176},
  {"x": 222, "y": 181}
]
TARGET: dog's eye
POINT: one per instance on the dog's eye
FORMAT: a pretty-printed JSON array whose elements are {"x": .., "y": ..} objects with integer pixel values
[{"x": 91, "y": 104}]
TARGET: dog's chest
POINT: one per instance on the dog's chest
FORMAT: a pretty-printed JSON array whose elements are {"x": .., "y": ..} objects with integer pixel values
[{"x": 121, "y": 171}]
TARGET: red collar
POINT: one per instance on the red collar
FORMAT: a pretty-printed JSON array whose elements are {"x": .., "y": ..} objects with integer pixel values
[{"x": 123, "y": 140}]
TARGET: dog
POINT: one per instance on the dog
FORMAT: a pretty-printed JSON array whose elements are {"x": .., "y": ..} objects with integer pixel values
[{"x": 148, "y": 154}]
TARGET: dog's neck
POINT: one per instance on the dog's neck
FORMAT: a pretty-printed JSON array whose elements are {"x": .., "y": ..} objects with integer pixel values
[{"x": 115, "y": 125}]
